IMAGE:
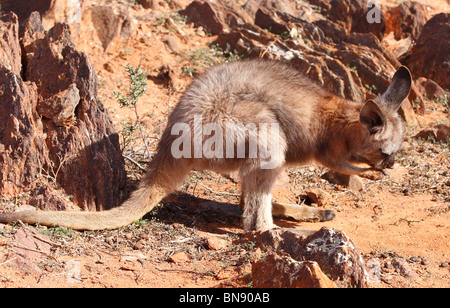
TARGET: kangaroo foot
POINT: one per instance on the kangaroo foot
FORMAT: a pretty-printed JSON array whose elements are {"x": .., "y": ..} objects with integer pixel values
[{"x": 301, "y": 212}]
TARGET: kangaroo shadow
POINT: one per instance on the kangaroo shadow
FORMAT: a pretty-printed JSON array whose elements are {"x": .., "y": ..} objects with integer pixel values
[
  {"x": 205, "y": 215},
  {"x": 202, "y": 214}
]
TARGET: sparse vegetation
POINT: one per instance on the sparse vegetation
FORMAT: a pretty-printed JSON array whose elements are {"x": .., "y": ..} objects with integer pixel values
[
  {"x": 204, "y": 57},
  {"x": 137, "y": 87}
]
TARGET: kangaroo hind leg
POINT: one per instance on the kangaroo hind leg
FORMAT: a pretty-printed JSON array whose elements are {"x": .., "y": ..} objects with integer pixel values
[{"x": 256, "y": 198}]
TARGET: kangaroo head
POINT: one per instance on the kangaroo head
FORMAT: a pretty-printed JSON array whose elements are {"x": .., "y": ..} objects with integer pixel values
[{"x": 380, "y": 124}]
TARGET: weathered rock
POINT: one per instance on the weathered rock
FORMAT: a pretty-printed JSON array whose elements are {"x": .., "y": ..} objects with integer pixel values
[
  {"x": 111, "y": 24},
  {"x": 179, "y": 257},
  {"x": 310, "y": 33},
  {"x": 334, "y": 252},
  {"x": 172, "y": 43},
  {"x": 443, "y": 133},
  {"x": 337, "y": 256},
  {"x": 10, "y": 53},
  {"x": 288, "y": 7},
  {"x": 215, "y": 243},
  {"x": 83, "y": 155},
  {"x": 372, "y": 67},
  {"x": 430, "y": 89},
  {"x": 438, "y": 133},
  {"x": 52, "y": 11},
  {"x": 64, "y": 11},
  {"x": 46, "y": 198},
  {"x": 332, "y": 30},
  {"x": 426, "y": 134},
  {"x": 352, "y": 182},
  {"x": 30, "y": 30},
  {"x": 249, "y": 42},
  {"x": 403, "y": 268},
  {"x": 148, "y": 4},
  {"x": 23, "y": 152},
  {"x": 429, "y": 57},
  {"x": 358, "y": 67},
  {"x": 398, "y": 48},
  {"x": 215, "y": 16},
  {"x": 353, "y": 16},
  {"x": 375, "y": 66},
  {"x": 99, "y": 181},
  {"x": 60, "y": 108},
  {"x": 167, "y": 73},
  {"x": 373, "y": 267},
  {"x": 407, "y": 19},
  {"x": 318, "y": 196},
  {"x": 31, "y": 243},
  {"x": 269, "y": 20},
  {"x": 278, "y": 240},
  {"x": 371, "y": 41},
  {"x": 203, "y": 14},
  {"x": 24, "y": 8},
  {"x": 158, "y": 4},
  {"x": 277, "y": 271}
]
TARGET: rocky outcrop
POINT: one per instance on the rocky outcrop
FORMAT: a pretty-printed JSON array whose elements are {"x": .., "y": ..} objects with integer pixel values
[
  {"x": 360, "y": 16},
  {"x": 53, "y": 128},
  {"x": 52, "y": 11},
  {"x": 110, "y": 24},
  {"x": 406, "y": 20},
  {"x": 327, "y": 258},
  {"x": 22, "y": 146},
  {"x": 430, "y": 89},
  {"x": 215, "y": 17},
  {"x": 288, "y": 273},
  {"x": 430, "y": 57},
  {"x": 341, "y": 52}
]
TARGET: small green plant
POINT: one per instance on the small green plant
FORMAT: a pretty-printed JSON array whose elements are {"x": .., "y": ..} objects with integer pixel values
[
  {"x": 416, "y": 103},
  {"x": 371, "y": 88},
  {"x": 207, "y": 56},
  {"x": 179, "y": 19},
  {"x": 175, "y": 18},
  {"x": 137, "y": 88},
  {"x": 140, "y": 224},
  {"x": 284, "y": 36},
  {"x": 128, "y": 132},
  {"x": 227, "y": 55},
  {"x": 353, "y": 68},
  {"x": 189, "y": 71},
  {"x": 58, "y": 232},
  {"x": 322, "y": 11},
  {"x": 442, "y": 100}
]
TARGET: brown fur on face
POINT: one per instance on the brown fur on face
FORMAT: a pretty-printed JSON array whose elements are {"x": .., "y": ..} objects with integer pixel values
[
  {"x": 313, "y": 126},
  {"x": 369, "y": 134}
]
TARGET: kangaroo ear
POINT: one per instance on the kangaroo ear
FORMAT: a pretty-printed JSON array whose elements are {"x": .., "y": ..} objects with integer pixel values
[
  {"x": 372, "y": 117},
  {"x": 398, "y": 90}
]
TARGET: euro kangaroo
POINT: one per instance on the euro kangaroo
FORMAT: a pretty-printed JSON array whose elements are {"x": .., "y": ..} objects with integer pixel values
[{"x": 255, "y": 117}]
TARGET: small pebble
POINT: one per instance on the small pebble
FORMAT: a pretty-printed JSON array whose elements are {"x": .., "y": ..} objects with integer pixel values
[
  {"x": 144, "y": 236},
  {"x": 415, "y": 259},
  {"x": 139, "y": 244}
]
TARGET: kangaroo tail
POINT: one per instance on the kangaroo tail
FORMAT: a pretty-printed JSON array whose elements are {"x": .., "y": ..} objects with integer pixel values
[{"x": 158, "y": 182}]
